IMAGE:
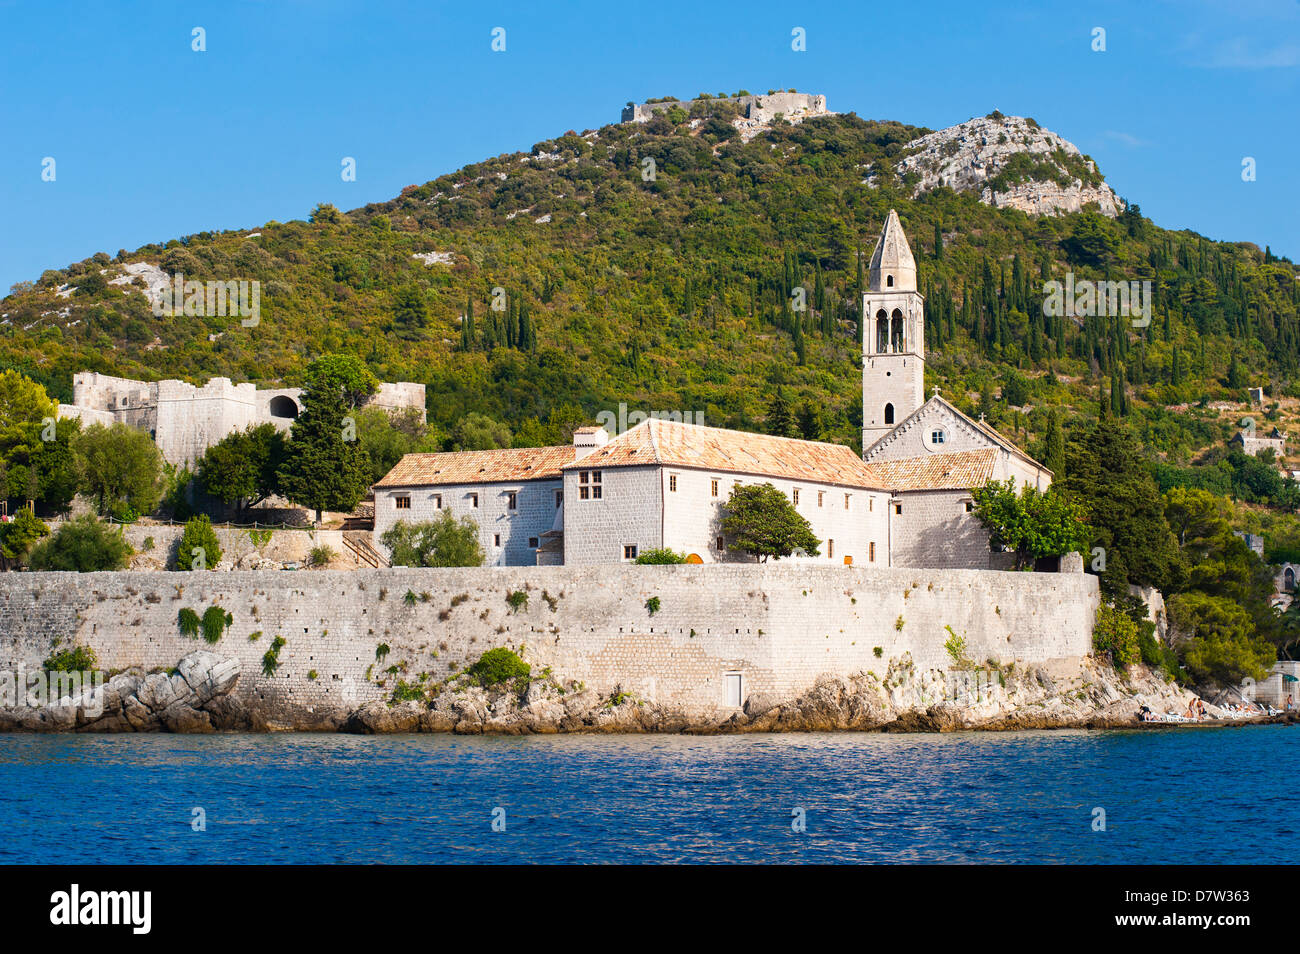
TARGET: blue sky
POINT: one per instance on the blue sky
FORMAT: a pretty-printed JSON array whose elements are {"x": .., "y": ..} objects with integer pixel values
[{"x": 152, "y": 140}]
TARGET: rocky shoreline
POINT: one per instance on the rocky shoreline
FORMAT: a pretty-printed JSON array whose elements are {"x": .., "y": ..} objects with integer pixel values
[{"x": 199, "y": 696}]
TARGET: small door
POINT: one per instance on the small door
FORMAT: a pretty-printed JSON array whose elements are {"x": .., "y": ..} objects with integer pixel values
[
  {"x": 848, "y": 560},
  {"x": 733, "y": 684}
]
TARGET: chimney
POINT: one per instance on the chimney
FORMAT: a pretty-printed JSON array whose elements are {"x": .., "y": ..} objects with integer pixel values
[{"x": 587, "y": 439}]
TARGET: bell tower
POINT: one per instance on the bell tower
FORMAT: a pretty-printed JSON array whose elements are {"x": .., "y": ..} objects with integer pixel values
[{"x": 893, "y": 336}]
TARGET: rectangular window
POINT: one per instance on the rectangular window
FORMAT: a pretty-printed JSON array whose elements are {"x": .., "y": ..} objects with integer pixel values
[
  {"x": 713, "y": 490},
  {"x": 820, "y": 494},
  {"x": 588, "y": 485},
  {"x": 937, "y": 437},
  {"x": 559, "y": 498},
  {"x": 402, "y": 503},
  {"x": 496, "y": 540},
  {"x": 595, "y": 485},
  {"x": 722, "y": 545},
  {"x": 512, "y": 500},
  {"x": 795, "y": 498},
  {"x": 473, "y": 501},
  {"x": 970, "y": 506},
  {"x": 532, "y": 542},
  {"x": 437, "y": 501},
  {"x": 898, "y": 509},
  {"x": 830, "y": 549},
  {"x": 629, "y": 551},
  {"x": 871, "y": 504},
  {"x": 846, "y": 501},
  {"x": 871, "y": 552},
  {"x": 672, "y": 483}
]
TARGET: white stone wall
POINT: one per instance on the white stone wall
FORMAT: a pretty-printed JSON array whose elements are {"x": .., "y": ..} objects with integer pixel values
[
  {"x": 934, "y": 530},
  {"x": 890, "y": 377},
  {"x": 782, "y": 626},
  {"x": 628, "y": 512},
  {"x": 506, "y": 535}
]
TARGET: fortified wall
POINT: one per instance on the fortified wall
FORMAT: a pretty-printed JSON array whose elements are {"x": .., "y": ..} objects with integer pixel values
[
  {"x": 185, "y": 420},
  {"x": 720, "y": 634},
  {"x": 763, "y": 108}
]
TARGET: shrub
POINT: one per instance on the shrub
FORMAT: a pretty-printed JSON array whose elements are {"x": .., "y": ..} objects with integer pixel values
[
  {"x": 73, "y": 659},
  {"x": 660, "y": 557},
  {"x": 322, "y": 555},
  {"x": 444, "y": 541},
  {"x": 271, "y": 659},
  {"x": 956, "y": 647},
  {"x": 188, "y": 620},
  {"x": 84, "y": 545},
  {"x": 497, "y": 666},
  {"x": 381, "y": 652},
  {"x": 1115, "y": 635},
  {"x": 215, "y": 621},
  {"x": 518, "y": 600},
  {"x": 199, "y": 548},
  {"x": 652, "y": 605}
]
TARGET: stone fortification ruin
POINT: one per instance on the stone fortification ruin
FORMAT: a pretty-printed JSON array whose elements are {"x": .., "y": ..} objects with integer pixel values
[
  {"x": 185, "y": 420},
  {"x": 759, "y": 109}
]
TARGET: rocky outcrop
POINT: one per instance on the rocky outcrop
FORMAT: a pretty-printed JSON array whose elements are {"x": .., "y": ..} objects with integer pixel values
[
  {"x": 1010, "y": 162},
  {"x": 135, "y": 702},
  {"x": 1068, "y": 694}
]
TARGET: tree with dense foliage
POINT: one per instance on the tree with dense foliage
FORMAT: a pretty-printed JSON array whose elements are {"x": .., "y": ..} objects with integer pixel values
[
  {"x": 84, "y": 545},
  {"x": 443, "y": 541},
  {"x": 1106, "y": 475},
  {"x": 386, "y": 436},
  {"x": 121, "y": 470},
  {"x": 325, "y": 467},
  {"x": 243, "y": 467},
  {"x": 1030, "y": 523},
  {"x": 199, "y": 548},
  {"x": 18, "y": 536},
  {"x": 1220, "y": 642},
  {"x": 759, "y": 520},
  {"x": 479, "y": 432}
]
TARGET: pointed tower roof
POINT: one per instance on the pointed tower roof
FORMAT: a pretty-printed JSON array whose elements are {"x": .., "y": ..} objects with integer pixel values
[{"x": 892, "y": 259}]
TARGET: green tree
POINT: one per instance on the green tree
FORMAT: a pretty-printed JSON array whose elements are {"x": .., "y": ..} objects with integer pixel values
[
  {"x": 760, "y": 520},
  {"x": 479, "y": 432},
  {"x": 1054, "y": 446},
  {"x": 325, "y": 467},
  {"x": 410, "y": 312},
  {"x": 780, "y": 420},
  {"x": 386, "y": 437},
  {"x": 243, "y": 467},
  {"x": 443, "y": 541},
  {"x": 18, "y": 536},
  {"x": 1106, "y": 475},
  {"x": 1032, "y": 524},
  {"x": 83, "y": 545},
  {"x": 1221, "y": 645},
  {"x": 199, "y": 548},
  {"x": 121, "y": 470}
]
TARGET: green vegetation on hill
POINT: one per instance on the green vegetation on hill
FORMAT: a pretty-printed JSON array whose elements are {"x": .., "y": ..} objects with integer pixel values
[{"x": 674, "y": 293}]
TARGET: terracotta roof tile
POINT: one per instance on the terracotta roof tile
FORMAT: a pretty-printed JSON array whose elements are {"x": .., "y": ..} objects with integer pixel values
[
  {"x": 478, "y": 467},
  {"x": 674, "y": 444},
  {"x": 959, "y": 471}
]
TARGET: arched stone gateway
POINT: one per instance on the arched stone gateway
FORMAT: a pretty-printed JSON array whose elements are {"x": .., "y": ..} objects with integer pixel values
[{"x": 283, "y": 406}]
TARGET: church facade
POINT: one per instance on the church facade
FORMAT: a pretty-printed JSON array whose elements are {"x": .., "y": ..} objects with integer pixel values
[{"x": 664, "y": 484}]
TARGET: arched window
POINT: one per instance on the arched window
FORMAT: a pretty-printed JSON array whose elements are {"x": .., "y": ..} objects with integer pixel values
[
  {"x": 889, "y": 281},
  {"x": 882, "y": 332},
  {"x": 897, "y": 336},
  {"x": 889, "y": 414},
  {"x": 1289, "y": 578}
]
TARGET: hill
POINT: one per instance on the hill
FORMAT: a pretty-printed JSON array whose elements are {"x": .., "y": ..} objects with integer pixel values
[{"x": 652, "y": 263}]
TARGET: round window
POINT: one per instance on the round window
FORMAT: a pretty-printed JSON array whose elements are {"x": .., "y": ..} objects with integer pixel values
[{"x": 936, "y": 439}]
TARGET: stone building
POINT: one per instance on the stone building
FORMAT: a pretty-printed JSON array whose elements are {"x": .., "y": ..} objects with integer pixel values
[
  {"x": 1252, "y": 443},
  {"x": 185, "y": 420},
  {"x": 906, "y": 502},
  {"x": 763, "y": 108}
]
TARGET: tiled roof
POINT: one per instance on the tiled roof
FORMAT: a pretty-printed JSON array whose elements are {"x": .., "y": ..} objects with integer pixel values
[
  {"x": 478, "y": 467},
  {"x": 959, "y": 471},
  {"x": 674, "y": 444}
]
